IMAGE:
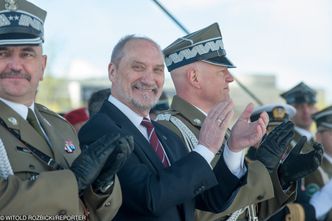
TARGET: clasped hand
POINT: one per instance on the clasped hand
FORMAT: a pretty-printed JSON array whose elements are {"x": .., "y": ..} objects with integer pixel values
[{"x": 100, "y": 161}]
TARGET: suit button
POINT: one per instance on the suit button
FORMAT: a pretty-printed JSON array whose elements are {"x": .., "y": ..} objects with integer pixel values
[
  {"x": 260, "y": 197},
  {"x": 62, "y": 212},
  {"x": 107, "y": 204}
]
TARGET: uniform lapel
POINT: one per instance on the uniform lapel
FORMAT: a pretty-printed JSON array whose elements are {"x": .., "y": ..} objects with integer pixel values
[
  {"x": 55, "y": 142},
  {"x": 189, "y": 113},
  {"x": 26, "y": 132}
]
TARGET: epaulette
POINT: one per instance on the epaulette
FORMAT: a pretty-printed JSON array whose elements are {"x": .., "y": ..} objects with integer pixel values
[
  {"x": 165, "y": 115},
  {"x": 47, "y": 111}
]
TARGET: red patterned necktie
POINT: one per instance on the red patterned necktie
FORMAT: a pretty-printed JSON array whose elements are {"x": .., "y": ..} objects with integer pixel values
[{"x": 154, "y": 141}]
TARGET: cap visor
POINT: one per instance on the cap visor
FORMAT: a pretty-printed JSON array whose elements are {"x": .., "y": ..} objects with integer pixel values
[{"x": 221, "y": 61}]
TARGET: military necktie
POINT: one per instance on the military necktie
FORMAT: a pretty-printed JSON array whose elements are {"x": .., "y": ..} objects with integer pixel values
[
  {"x": 154, "y": 141},
  {"x": 32, "y": 119}
]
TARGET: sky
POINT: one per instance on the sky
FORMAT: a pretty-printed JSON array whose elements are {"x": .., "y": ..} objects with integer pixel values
[{"x": 291, "y": 39}]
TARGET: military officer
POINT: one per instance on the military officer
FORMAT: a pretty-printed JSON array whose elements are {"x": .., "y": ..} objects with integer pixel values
[
  {"x": 199, "y": 70},
  {"x": 301, "y": 209},
  {"x": 303, "y": 99},
  {"x": 319, "y": 183},
  {"x": 43, "y": 171}
]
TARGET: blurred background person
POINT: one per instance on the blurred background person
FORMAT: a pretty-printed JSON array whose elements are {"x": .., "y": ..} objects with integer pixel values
[
  {"x": 77, "y": 117},
  {"x": 320, "y": 182},
  {"x": 303, "y": 99},
  {"x": 97, "y": 99},
  {"x": 161, "y": 105},
  {"x": 301, "y": 209}
]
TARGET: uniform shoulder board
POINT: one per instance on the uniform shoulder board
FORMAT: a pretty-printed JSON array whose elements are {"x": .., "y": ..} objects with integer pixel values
[
  {"x": 47, "y": 111},
  {"x": 165, "y": 115}
]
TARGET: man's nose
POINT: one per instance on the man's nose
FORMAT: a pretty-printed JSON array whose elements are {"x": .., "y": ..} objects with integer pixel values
[
  {"x": 230, "y": 77},
  {"x": 15, "y": 63},
  {"x": 148, "y": 76}
]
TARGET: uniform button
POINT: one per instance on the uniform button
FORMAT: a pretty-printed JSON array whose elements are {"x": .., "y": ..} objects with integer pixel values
[
  {"x": 32, "y": 167},
  {"x": 62, "y": 212},
  {"x": 108, "y": 204},
  {"x": 260, "y": 197}
]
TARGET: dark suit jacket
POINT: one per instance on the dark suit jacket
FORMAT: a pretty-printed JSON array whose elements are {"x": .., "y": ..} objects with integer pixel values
[{"x": 152, "y": 192}]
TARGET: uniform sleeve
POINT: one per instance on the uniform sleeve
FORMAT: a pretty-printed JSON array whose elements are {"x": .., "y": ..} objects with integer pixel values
[
  {"x": 51, "y": 193},
  {"x": 258, "y": 187},
  {"x": 273, "y": 206},
  {"x": 104, "y": 207}
]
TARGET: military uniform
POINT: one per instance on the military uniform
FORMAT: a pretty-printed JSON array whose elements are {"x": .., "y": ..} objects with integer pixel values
[
  {"x": 260, "y": 185},
  {"x": 300, "y": 209},
  {"x": 36, "y": 190},
  {"x": 317, "y": 180},
  {"x": 34, "y": 167}
]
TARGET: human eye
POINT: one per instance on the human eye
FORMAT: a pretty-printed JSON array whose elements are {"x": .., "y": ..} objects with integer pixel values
[
  {"x": 159, "y": 70},
  {"x": 4, "y": 53},
  {"x": 28, "y": 54},
  {"x": 138, "y": 67}
]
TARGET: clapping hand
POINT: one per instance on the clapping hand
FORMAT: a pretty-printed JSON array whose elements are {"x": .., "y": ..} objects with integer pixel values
[
  {"x": 245, "y": 133},
  {"x": 298, "y": 165},
  {"x": 274, "y": 145}
]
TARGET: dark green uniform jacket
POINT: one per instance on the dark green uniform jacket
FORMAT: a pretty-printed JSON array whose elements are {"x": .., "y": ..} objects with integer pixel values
[
  {"x": 35, "y": 189},
  {"x": 260, "y": 185}
]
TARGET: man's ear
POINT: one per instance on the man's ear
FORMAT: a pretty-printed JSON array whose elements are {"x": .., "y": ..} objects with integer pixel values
[
  {"x": 44, "y": 61},
  {"x": 319, "y": 137},
  {"x": 192, "y": 77},
  {"x": 111, "y": 71}
]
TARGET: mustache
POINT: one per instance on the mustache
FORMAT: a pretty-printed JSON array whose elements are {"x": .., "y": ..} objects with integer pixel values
[{"x": 15, "y": 74}]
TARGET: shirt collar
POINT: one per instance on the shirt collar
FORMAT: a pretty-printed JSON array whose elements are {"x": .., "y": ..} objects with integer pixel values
[
  {"x": 328, "y": 157},
  {"x": 200, "y": 110},
  {"x": 304, "y": 132},
  {"x": 135, "y": 118},
  {"x": 20, "y": 109}
]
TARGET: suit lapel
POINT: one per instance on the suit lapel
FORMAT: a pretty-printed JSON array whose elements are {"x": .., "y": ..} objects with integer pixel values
[{"x": 144, "y": 150}]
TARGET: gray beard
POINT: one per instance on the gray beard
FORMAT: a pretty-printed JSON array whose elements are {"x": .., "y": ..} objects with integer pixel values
[{"x": 142, "y": 107}]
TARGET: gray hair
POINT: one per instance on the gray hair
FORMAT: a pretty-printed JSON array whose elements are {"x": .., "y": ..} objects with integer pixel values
[{"x": 118, "y": 52}]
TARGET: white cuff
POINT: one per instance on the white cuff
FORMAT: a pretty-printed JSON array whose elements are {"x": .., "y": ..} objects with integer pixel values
[
  {"x": 322, "y": 200},
  {"x": 234, "y": 161},
  {"x": 207, "y": 154}
]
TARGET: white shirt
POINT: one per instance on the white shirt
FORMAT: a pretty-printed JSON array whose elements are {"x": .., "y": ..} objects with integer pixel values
[
  {"x": 20, "y": 109},
  {"x": 304, "y": 132}
]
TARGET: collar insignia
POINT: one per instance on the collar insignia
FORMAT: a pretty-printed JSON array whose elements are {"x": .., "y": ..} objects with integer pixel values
[{"x": 12, "y": 120}]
